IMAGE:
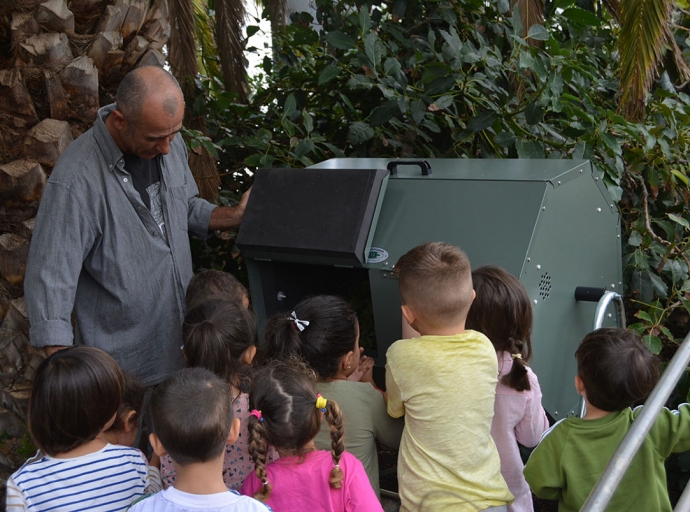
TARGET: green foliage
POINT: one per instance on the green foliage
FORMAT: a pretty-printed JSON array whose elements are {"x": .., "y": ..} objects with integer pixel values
[{"x": 455, "y": 79}]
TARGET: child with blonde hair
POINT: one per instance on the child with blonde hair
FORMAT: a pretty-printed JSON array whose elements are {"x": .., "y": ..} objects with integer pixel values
[
  {"x": 503, "y": 312},
  {"x": 444, "y": 383},
  {"x": 287, "y": 413}
]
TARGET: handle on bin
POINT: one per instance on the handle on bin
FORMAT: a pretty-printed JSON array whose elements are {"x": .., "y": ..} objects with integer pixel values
[
  {"x": 589, "y": 294},
  {"x": 424, "y": 165}
]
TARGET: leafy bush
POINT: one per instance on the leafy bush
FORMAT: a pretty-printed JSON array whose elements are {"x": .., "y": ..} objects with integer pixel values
[{"x": 456, "y": 79}]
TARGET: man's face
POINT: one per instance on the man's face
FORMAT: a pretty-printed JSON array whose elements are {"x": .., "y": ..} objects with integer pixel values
[{"x": 151, "y": 134}]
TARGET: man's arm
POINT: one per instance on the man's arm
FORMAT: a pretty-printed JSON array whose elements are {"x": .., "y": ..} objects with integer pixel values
[
  {"x": 61, "y": 239},
  {"x": 225, "y": 218}
]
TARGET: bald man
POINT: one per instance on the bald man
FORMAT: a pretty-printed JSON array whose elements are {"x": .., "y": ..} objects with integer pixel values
[{"x": 110, "y": 242}]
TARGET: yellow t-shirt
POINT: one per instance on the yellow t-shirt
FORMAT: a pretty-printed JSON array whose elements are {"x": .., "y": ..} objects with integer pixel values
[{"x": 445, "y": 386}]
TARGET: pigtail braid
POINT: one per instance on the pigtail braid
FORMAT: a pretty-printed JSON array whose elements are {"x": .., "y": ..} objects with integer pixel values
[
  {"x": 517, "y": 378},
  {"x": 335, "y": 422},
  {"x": 258, "y": 449}
]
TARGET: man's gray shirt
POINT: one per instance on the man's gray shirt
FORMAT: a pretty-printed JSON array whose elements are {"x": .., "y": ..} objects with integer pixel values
[{"x": 96, "y": 249}]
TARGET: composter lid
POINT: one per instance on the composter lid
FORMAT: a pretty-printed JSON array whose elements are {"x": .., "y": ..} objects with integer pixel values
[{"x": 310, "y": 215}]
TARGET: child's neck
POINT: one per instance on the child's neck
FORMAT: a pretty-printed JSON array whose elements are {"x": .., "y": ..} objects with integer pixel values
[
  {"x": 594, "y": 413},
  {"x": 448, "y": 330},
  {"x": 309, "y": 447},
  {"x": 201, "y": 477},
  {"x": 85, "y": 449}
]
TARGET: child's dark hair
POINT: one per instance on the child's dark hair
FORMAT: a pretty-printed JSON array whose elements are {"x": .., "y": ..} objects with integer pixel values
[
  {"x": 214, "y": 284},
  {"x": 616, "y": 368},
  {"x": 192, "y": 414},
  {"x": 331, "y": 333},
  {"x": 75, "y": 393},
  {"x": 435, "y": 280},
  {"x": 216, "y": 334},
  {"x": 503, "y": 312},
  {"x": 283, "y": 392},
  {"x": 132, "y": 400}
]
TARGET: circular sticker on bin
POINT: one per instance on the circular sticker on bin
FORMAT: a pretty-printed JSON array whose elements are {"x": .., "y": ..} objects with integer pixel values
[{"x": 377, "y": 255}]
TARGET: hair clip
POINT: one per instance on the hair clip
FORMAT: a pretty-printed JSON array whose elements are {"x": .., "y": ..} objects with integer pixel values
[
  {"x": 516, "y": 356},
  {"x": 321, "y": 402},
  {"x": 264, "y": 481},
  {"x": 257, "y": 414},
  {"x": 300, "y": 324}
]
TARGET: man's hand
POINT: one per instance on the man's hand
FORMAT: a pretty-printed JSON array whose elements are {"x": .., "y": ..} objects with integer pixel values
[{"x": 225, "y": 218}]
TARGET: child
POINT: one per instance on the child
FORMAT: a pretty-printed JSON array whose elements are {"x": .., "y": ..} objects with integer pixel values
[
  {"x": 287, "y": 414},
  {"x": 219, "y": 336},
  {"x": 614, "y": 371},
  {"x": 75, "y": 398},
  {"x": 124, "y": 428},
  {"x": 210, "y": 284},
  {"x": 444, "y": 382},
  {"x": 325, "y": 331},
  {"x": 503, "y": 312},
  {"x": 192, "y": 420}
]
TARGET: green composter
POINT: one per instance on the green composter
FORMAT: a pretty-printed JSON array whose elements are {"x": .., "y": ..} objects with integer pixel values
[{"x": 340, "y": 226}]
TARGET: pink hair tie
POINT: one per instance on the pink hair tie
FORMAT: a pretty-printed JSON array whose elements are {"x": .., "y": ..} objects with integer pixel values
[{"x": 257, "y": 414}]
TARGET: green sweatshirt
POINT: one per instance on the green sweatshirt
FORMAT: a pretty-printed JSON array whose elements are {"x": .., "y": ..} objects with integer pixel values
[{"x": 574, "y": 452}]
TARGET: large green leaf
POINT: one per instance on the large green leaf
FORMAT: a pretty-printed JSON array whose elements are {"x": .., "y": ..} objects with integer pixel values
[
  {"x": 360, "y": 132},
  {"x": 329, "y": 73},
  {"x": 483, "y": 121},
  {"x": 340, "y": 40}
]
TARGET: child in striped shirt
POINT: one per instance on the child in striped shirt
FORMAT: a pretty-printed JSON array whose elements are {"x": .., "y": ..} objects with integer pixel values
[{"x": 75, "y": 398}]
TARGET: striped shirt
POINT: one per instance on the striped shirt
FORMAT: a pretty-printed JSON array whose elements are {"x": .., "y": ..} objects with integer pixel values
[{"x": 106, "y": 480}]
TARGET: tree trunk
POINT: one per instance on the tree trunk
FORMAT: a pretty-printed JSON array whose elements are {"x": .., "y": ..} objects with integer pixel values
[{"x": 65, "y": 59}]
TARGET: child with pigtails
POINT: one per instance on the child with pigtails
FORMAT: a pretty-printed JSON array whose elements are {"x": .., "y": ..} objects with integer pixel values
[
  {"x": 324, "y": 331},
  {"x": 287, "y": 414}
]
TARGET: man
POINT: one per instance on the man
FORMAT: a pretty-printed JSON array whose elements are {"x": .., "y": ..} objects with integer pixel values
[{"x": 110, "y": 241}]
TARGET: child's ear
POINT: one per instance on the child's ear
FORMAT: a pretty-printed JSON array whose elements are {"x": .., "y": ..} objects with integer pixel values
[
  {"x": 130, "y": 422},
  {"x": 580, "y": 386},
  {"x": 248, "y": 355},
  {"x": 234, "y": 431},
  {"x": 408, "y": 314},
  {"x": 158, "y": 448},
  {"x": 346, "y": 360},
  {"x": 474, "y": 294}
]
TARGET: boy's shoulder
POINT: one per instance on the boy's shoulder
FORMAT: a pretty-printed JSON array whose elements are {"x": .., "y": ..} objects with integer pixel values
[
  {"x": 172, "y": 500},
  {"x": 473, "y": 341}
]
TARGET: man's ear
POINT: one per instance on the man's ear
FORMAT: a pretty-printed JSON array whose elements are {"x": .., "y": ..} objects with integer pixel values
[
  {"x": 118, "y": 119},
  {"x": 408, "y": 314},
  {"x": 234, "y": 431},
  {"x": 158, "y": 448}
]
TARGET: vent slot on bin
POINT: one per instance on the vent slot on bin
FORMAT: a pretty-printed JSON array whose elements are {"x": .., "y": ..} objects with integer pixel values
[{"x": 312, "y": 215}]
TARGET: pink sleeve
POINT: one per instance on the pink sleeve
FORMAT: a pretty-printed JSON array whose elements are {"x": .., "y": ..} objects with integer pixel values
[
  {"x": 534, "y": 423},
  {"x": 359, "y": 496},
  {"x": 250, "y": 485}
]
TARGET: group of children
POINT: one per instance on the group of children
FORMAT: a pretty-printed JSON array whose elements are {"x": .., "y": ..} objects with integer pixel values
[{"x": 294, "y": 427}]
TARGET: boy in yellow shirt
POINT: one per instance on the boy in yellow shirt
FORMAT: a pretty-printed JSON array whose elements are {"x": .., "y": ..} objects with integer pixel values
[{"x": 444, "y": 382}]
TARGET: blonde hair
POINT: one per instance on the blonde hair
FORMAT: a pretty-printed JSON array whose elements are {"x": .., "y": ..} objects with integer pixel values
[{"x": 435, "y": 280}]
